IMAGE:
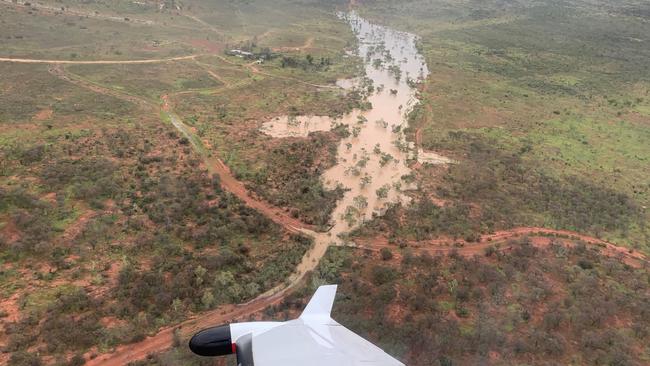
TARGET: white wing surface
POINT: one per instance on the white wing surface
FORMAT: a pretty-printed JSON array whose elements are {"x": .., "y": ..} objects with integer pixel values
[
  {"x": 321, "y": 303},
  {"x": 297, "y": 343},
  {"x": 315, "y": 339}
]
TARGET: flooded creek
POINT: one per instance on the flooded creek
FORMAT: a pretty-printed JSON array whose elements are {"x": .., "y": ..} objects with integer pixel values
[{"x": 373, "y": 161}]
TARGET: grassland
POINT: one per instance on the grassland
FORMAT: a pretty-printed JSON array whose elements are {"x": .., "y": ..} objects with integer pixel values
[
  {"x": 543, "y": 104},
  {"x": 110, "y": 225},
  {"x": 38, "y": 33}
]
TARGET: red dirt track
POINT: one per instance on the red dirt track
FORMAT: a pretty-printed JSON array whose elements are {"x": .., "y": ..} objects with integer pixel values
[
  {"x": 163, "y": 340},
  {"x": 279, "y": 216},
  {"x": 540, "y": 237},
  {"x": 234, "y": 186}
]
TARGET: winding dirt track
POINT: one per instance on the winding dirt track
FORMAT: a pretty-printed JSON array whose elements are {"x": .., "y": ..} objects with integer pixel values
[
  {"x": 98, "y": 62},
  {"x": 163, "y": 340},
  {"x": 234, "y": 186},
  {"x": 540, "y": 237}
]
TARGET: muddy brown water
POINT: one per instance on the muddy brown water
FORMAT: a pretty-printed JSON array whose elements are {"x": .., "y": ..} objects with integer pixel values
[{"x": 372, "y": 161}]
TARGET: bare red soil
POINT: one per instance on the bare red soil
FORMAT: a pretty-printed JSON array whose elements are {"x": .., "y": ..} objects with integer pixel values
[
  {"x": 44, "y": 114},
  {"x": 9, "y": 231},
  {"x": 72, "y": 231}
]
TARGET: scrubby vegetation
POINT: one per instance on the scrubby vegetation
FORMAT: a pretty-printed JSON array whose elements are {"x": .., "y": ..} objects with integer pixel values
[
  {"x": 110, "y": 226},
  {"x": 505, "y": 184},
  {"x": 97, "y": 193},
  {"x": 171, "y": 240},
  {"x": 291, "y": 177},
  {"x": 497, "y": 187},
  {"x": 560, "y": 305}
]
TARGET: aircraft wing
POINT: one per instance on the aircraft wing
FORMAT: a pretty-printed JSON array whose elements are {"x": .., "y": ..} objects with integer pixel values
[
  {"x": 299, "y": 343},
  {"x": 315, "y": 339}
]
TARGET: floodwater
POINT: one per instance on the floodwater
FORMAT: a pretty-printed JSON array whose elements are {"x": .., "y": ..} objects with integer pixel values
[
  {"x": 372, "y": 161},
  {"x": 298, "y": 126}
]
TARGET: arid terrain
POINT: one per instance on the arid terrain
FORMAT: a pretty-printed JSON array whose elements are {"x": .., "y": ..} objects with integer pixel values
[{"x": 473, "y": 174}]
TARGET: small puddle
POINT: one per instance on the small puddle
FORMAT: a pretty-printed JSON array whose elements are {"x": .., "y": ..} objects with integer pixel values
[{"x": 373, "y": 160}]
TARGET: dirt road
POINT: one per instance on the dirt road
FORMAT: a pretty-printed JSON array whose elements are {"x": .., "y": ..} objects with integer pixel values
[
  {"x": 540, "y": 237},
  {"x": 164, "y": 339},
  {"x": 234, "y": 186},
  {"x": 98, "y": 62}
]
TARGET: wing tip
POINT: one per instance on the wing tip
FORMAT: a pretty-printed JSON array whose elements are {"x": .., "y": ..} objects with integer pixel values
[{"x": 321, "y": 302}]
